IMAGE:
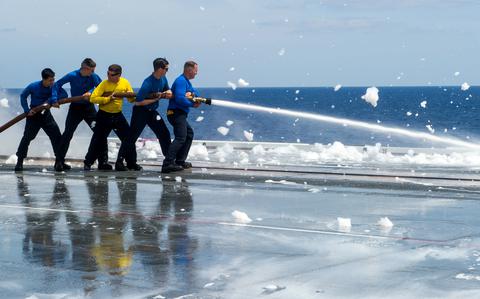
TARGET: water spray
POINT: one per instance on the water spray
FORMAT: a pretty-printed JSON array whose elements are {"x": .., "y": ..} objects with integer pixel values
[{"x": 341, "y": 121}]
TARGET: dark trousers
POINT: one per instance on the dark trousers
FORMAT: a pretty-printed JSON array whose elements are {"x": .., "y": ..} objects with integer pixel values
[
  {"x": 142, "y": 117},
  {"x": 41, "y": 120},
  {"x": 105, "y": 123},
  {"x": 77, "y": 113},
  {"x": 178, "y": 151}
]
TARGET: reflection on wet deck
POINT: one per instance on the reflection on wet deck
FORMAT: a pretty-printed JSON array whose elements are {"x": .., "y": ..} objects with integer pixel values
[
  {"x": 101, "y": 243},
  {"x": 102, "y": 235}
]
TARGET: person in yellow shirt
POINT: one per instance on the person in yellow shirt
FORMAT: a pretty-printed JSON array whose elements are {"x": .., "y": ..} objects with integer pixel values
[{"x": 109, "y": 116}]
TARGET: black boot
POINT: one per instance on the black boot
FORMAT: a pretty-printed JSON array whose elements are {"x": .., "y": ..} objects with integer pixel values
[
  {"x": 66, "y": 166},
  {"x": 86, "y": 166},
  {"x": 19, "y": 165},
  {"x": 119, "y": 166},
  {"x": 58, "y": 165},
  {"x": 167, "y": 168},
  {"x": 185, "y": 165},
  {"x": 104, "y": 166},
  {"x": 135, "y": 167}
]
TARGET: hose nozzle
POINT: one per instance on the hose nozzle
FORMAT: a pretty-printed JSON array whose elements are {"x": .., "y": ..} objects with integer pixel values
[{"x": 207, "y": 101}]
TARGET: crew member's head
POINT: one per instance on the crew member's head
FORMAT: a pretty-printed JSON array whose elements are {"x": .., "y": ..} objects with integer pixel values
[
  {"x": 160, "y": 67},
  {"x": 48, "y": 77},
  {"x": 114, "y": 73},
  {"x": 87, "y": 67},
  {"x": 190, "y": 69}
]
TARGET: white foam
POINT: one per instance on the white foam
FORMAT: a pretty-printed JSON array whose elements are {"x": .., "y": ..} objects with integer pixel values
[
  {"x": 199, "y": 119},
  {"x": 281, "y": 52},
  {"x": 92, "y": 29},
  {"x": 232, "y": 85},
  {"x": 232, "y": 69},
  {"x": 178, "y": 179},
  {"x": 456, "y": 74},
  {"x": 4, "y": 103},
  {"x": 281, "y": 182},
  {"x": 241, "y": 217},
  {"x": 465, "y": 86},
  {"x": 337, "y": 87},
  {"x": 44, "y": 170},
  {"x": 229, "y": 123},
  {"x": 209, "y": 285},
  {"x": 248, "y": 135},
  {"x": 344, "y": 222},
  {"x": 467, "y": 276},
  {"x": 223, "y": 130},
  {"x": 385, "y": 222},
  {"x": 423, "y": 104},
  {"x": 242, "y": 83},
  {"x": 371, "y": 96},
  {"x": 272, "y": 288},
  {"x": 430, "y": 128},
  {"x": 409, "y": 113},
  {"x": 202, "y": 8},
  {"x": 12, "y": 159},
  {"x": 198, "y": 151}
]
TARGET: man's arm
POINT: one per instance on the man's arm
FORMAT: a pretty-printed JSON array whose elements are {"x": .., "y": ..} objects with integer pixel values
[
  {"x": 167, "y": 91},
  {"x": 129, "y": 89},
  {"x": 23, "y": 98},
  {"x": 180, "y": 94},
  {"x": 97, "y": 93},
  {"x": 59, "y": 84}
]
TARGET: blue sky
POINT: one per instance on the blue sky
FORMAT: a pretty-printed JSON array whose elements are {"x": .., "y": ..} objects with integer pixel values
[{"x": 324, "y": 43}]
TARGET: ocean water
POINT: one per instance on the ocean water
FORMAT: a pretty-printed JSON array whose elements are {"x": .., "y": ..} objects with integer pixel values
[{"x": 449, "y": 111}]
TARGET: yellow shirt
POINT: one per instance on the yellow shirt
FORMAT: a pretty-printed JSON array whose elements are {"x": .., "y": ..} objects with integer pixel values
[{"x": 106, "y": 104}]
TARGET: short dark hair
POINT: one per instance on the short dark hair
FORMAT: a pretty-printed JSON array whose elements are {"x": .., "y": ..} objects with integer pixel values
[
  {"x": 160, "y": 63},
  {"x": 189, "y": 64},
  {"x": 88, "y": 62},
  {"x": 115, "y": 68},
  {"x": 47, "y": 73}
]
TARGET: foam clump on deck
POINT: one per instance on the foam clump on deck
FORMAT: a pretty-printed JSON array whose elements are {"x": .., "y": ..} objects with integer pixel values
[
  {"x": 272, "y": 288},
  {"x": 241, "y": 217},
  {"x": 316, "y": 154},
  {"x": 385, "y": 222},
  {"x": 344, "y": 222},
  {"x": 149, "y": 149},
  {"x": 198, "y": 151}
]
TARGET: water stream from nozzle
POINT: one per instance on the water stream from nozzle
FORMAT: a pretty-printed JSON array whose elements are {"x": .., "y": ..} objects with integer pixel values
[{"x": 348, "y": 122}]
